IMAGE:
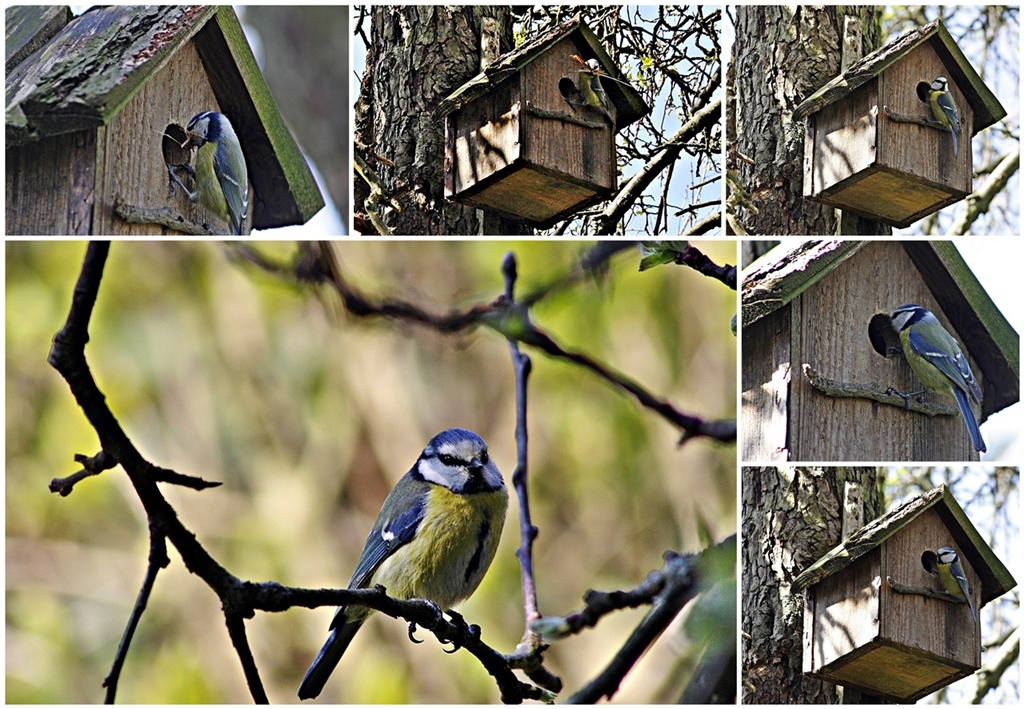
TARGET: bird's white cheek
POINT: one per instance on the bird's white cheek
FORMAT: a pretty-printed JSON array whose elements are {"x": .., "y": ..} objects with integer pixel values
[{"x": 437, "y": 472}]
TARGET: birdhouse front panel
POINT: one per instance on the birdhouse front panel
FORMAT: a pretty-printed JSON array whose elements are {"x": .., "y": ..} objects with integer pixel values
[
  {"x": 584, "y": 150},
  {"x": 928, "y": 625},
  {"x": 924, "y": 151},
  {"x": 131, "y": 163},
  {"x": 831, "y": 336}
]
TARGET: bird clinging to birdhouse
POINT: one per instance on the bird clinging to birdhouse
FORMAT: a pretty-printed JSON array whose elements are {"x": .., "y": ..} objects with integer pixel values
[{"x": 589, "y": 93}]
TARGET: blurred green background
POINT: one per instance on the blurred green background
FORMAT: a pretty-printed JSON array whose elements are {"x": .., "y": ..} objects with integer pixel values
[{"x": 309, "y": 416}]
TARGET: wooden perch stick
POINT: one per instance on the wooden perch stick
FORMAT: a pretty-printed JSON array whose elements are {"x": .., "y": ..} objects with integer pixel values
[{"x": 873, "y": 391}]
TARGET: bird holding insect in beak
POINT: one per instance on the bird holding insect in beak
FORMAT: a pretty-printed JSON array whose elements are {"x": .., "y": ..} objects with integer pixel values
[
  {"x": 590, "y": 93},
  {"x": 222, "y": 182}
]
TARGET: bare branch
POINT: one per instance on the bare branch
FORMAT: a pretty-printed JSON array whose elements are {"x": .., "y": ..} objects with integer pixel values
[
  {"x": 236, "y": 630},
  {"x": 528, "y": 655},
  {"x": 90, "y": 466},
  {"x": 667, "y": 590},
  {"x": 157, "y": 560},
  {"x": 512, "y": 321}
]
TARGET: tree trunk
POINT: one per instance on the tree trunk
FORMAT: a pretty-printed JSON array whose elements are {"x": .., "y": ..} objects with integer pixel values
[
  {"x": 417, "y": 56},
  {"x": 783, "y": 54},
  {"x": 791, "y": 518}
]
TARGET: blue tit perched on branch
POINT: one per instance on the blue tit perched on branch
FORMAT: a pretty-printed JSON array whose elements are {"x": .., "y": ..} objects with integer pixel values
[
  {"x": 591, "y": 93},
  {"x": 434, "y": 538},
  {"x": 222, "y": 182},
  {"x": 944, "y": 108},
  {"x": 951, "y": 574},
  {"x": 937, "y": 361}
]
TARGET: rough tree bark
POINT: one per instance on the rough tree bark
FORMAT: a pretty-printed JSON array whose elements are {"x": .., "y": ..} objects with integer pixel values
[
  {"x": 791, "y": 517},
  {"x": 782, "y": 54},
  {"x": 417, "y": 56}
]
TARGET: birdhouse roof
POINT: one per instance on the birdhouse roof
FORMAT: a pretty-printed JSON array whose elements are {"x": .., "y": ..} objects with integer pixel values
[
  {"x": 67, "y": 74},
  {"x": 986, "y": 107},
  {"x": 786, "y": 271},
  {"x": 995, "y": 577},
  {"x": 628, "y": 103}
]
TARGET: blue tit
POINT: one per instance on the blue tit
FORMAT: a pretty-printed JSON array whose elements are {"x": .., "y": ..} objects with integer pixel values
[
  {"x": 222, "y": 182},
  {"x": 937, "y": 361},
  {"x": 591, "y": 93},
  {"x": 951, "y": 574},
  {"x": 944, "y": 108},
  {"x": 434, "y": 538}
]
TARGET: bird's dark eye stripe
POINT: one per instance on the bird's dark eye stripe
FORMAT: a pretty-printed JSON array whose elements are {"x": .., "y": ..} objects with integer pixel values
[{"x": 449, "y": 459}]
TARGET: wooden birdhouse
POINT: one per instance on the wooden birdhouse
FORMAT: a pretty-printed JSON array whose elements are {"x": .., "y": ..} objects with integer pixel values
[
  {"x": 97, "y": 106},
  {"x": 814, "y": 386},
  {"x": 876, "y": 617},
  {"x": 873, "y": 147},
  {"x": 517, "y": 140}
]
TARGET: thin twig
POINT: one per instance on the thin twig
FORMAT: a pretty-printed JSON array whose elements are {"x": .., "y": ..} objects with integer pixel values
[
  {"x": 667, "y": 590},
  {"x": 680, "y": 587},
  {"x": 691, "y": 426},
  {"x": 923, "y": 591},
  {"x": 157, "y": 560},
  {"x": 240, "y": 641},
  {"x": 874, "y": 392},
  {"x": 91, "y": 465},
  {"x": 528, "y": 532},
  {"x": 528, "y": 655},
  {"x": 512, "y": 321},
  {"x": 696, "y": 259}
]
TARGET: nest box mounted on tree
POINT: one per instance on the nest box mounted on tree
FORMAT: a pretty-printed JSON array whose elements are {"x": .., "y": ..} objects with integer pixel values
[
  {"x": 876, "y": 617},
  {"x": 521, "y": 139},
  {"x": 97, "y": 106},
  {"x": 814, "y": 386},
  {"x": 873, "y": 146}
]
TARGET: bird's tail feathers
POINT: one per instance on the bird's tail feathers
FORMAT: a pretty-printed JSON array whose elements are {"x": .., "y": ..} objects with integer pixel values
[
  {"x": 325, "y": 662},
  {"x": 972, "y": 423}
]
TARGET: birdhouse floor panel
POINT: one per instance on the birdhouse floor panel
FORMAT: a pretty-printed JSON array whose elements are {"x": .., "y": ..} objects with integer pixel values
[
  {"x": 893, "y": 671},
  {"x": 531, "y": 193},
  {"x": 891, "y": 197}
]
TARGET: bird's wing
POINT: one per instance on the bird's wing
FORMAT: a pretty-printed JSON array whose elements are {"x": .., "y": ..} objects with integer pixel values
[
  {"x": 947, "y": 105},
  {"x": 391, "y": 532},
  {"x": 956, "y": 368},
  {"x": 236, "y": 198}
]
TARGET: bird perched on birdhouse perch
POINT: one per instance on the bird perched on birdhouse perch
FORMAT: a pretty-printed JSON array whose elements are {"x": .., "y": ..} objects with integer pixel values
[{"x": 890, "y": 138}]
